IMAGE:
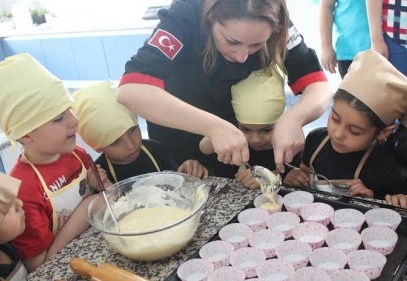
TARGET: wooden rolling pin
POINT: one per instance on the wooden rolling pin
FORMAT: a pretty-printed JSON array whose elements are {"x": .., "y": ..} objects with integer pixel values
[{"x": 103, "y": 272}]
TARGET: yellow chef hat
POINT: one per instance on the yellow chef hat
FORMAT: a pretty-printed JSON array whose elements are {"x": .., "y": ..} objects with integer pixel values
[
  {"x": 9, "y": 187},
  {"x": 260, "y": 98},
  {"x": 102, "y": 120},
  {"x": 29, "y": 96},
  {"x": 379, "y": 85}
]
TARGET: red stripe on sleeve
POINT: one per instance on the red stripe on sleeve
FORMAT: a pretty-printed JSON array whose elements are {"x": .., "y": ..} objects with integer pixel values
[
  {"x": 306, "y": 80},
  {"x": 141, "y": 78}
]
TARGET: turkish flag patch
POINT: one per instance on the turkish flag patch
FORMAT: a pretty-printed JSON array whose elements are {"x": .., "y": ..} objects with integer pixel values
[{"x": 167, "y": 43}]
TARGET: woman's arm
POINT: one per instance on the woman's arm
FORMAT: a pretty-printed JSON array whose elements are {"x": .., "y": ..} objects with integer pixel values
[
  {"x": 374, "y": 15},
  {"x": 328, "y": 55},
  {"x": 157, "y": 106},
  {"x": 288, "y": 136}
]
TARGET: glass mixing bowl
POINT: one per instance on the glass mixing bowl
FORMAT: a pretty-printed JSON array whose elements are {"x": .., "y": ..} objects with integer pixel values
[{"x": 157, "y": 214}]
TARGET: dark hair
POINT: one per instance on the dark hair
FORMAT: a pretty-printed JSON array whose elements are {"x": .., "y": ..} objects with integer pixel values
[
  {"x": 396, "y": 142},
  {"x": 355, "y": 103},
  {"x": 272, "y": 11}
]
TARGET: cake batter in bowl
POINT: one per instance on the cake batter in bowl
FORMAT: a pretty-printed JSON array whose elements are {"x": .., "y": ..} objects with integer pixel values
[{"x": 157, "y": 218}]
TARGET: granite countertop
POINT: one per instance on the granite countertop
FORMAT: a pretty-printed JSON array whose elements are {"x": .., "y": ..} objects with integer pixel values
[
  {"x": 92, "y": 246},
  {"x": 220, "y": 209}
]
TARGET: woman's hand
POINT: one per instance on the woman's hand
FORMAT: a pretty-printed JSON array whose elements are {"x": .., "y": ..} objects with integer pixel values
[
  {"x": 398, "y": 200},
  {"x": 229, "y": 144},
  {"x": 193, "y": 168},
  {"x": 356, "y": 187},
  {"x": 288, "y": 136},
  {"x": 288, "y": 140}
]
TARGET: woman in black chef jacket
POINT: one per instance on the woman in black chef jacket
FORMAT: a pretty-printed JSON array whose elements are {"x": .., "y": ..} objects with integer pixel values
[{"x": 181, "y": 78}]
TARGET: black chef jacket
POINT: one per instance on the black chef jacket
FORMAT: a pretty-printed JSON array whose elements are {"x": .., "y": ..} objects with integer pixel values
[{"x": 172, "y": 59}]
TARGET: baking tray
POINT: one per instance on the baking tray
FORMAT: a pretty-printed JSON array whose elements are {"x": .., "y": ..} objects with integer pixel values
[{"x": 396, "y": 265}]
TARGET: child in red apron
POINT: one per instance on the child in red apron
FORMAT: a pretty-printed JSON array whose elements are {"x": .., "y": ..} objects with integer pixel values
[
  {"x": 258, "y": 101},
  {"x": 111, "y": 129},
  {"x": 36, "y": 112},
  {"x": 360, "y": 143},
  {"x": 11, "y": 225}
]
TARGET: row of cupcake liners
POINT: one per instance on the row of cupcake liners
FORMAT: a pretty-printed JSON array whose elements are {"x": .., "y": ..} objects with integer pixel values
[{"x": 396, "y": 261}]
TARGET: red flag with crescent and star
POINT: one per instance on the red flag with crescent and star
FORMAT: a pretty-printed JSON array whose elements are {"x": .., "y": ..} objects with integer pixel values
[{"x": 167, "y": 43}]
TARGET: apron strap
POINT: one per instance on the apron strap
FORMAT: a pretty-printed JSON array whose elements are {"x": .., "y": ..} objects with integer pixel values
[
  {"x": 364, "y": 159},
  {"x": 146, "y": 151},
  {"x": 151, "y": 157},
  {"x": 361, "y": 162},
  {"x": 314, "y": 155}
]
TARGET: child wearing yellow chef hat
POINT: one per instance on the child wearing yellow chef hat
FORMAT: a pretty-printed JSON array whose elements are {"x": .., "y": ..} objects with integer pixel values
[
  {"x": 355, "y": 145},
  {"x": 258, "y": 102},
  {"x": 108, "y": 127},
  {"x": 12, "y": 224},
  {"x": 36, "y": 112}
]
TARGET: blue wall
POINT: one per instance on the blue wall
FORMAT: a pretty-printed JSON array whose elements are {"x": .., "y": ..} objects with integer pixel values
[{"x": 79, "y": 57}]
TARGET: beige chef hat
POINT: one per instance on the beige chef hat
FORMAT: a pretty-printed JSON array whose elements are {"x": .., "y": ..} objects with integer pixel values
[
  {"x": 378, "y": 84},
  {"x": 9, "y": 187},
  {"x": 29, "y": 96},
  {"x": 102, "y": 120},
  {"x": 260, "y": 98}
]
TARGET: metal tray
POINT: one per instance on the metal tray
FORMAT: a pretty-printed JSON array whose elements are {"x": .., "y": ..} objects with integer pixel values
[{"x": 396, "y": 264}]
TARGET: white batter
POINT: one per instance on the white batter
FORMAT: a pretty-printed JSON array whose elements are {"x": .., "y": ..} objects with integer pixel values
[
  {"x": 156, "y": 245},
  {"x": 272, "y": 204}
]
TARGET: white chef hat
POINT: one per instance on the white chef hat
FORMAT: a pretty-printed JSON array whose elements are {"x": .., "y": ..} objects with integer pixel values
[
  {"x": 260, "y": 98},
  {"x": 101, "y": 119},
  {"x": 30, "y": 96}
]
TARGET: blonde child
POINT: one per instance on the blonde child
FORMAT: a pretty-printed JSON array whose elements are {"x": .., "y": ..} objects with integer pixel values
[
  {"x": 258, "y": 101},
  {"x": 108, "y": 127},
  {"x": 11, "y": 225},
  {"x": 355, "y": 145},
  {"x": 36, "y": 112}
]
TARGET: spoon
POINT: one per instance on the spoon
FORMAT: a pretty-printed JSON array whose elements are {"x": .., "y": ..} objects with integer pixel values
[
  {"x": 96, "y": 173},
  {"x": 270, "y": 182},
  {"x": 338, "y": 185}
]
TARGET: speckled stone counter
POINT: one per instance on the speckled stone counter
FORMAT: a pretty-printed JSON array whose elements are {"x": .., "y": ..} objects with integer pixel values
[{"x": 92, "y": 246}]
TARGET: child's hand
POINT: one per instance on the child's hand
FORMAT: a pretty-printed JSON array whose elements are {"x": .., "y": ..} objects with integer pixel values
[
  {"x": 398, "y": 200},
  {"x": 193, "y": 168},
  {"x": 93, "y": 182},
  {"x": 246, "y": 178},
  {"x": 298, "y": 177},
  {"x": 356, "y": 187}
]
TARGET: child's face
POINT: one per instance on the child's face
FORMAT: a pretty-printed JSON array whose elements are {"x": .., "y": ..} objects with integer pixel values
[
  {"x": 349, "y": 130},
  {"x": 259, "y": 137},
  {"x": 56, "y": 136},
  {"x": 126, "y": 149},
  {"x": 13, "y": 223}
]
